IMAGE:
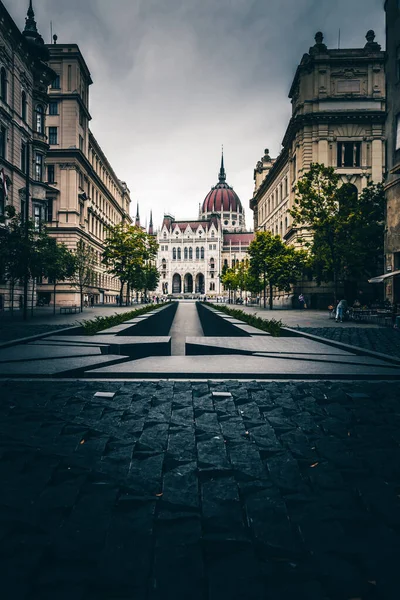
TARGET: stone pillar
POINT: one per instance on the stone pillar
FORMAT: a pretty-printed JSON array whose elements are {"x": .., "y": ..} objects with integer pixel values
[{"x": 376, "y": 162}]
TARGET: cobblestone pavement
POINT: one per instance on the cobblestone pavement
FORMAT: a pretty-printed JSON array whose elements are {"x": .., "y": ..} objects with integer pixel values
[
  {"x": 383, "y": 340},
  {"x": 279, "y": 491}
]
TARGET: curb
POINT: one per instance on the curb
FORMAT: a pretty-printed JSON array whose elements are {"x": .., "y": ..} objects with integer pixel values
[{"x": 341, "y": 346}]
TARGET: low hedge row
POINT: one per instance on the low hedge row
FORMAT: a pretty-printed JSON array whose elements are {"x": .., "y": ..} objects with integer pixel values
[
  {"x": 93, "y": 326},
  {"x": 272, "y": 326}
]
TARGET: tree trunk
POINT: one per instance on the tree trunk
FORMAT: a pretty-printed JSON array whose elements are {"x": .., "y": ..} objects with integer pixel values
[
  {"x": 54, "y": 297},
  {"x": 12, "y": 295},
  {"x": 121, "y": 291},
  {"x": 33, "y": 295},
  {"x": 25, "y": 304},
  {"x": 128, "y": 291},
  {"x": 335, "y": 287},
  {"x": 265, "y": 291},
  {"x": 271, "y": 303},
  {"x": 81, "y": 292}
]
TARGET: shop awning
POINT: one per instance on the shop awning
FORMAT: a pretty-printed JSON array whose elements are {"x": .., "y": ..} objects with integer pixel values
[{"x": 383, "y": 277}]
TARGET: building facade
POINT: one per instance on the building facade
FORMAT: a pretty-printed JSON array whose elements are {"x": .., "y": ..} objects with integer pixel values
[
  {"x": 338, "y": 119},
  {"x": 24, "y": 78},
  {"x": 85, "y": 194},
  {"x": 392, "y": 183},
  {"x": 192, "y": 253}
]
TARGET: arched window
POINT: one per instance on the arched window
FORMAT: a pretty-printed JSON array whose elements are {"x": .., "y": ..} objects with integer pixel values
[
  {"x": 173, "y": 253},
  {"x": 212, "y": 264},
  {"x": 39, "y": 119},
  {"x": 164, "y": 263},
  {"x": 3, "y": 84},
  {"x": 197, "y": 253},
  {"x": 179, "y": 254},
  {"x": 286, "y": 224},
  {"x": 165, "y": 235},
  {"x": 202, "y": 253},
  {"x": 213, "y": 234},
  {"x": 281, "y": 228},
  {"x": 23, "y": 106},
  {"x": 185, "y": 253},
  {"x": 190, "y": 253}
]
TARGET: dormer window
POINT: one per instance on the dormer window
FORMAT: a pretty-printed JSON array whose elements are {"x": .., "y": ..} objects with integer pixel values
[{"x": 213, "y": 234}]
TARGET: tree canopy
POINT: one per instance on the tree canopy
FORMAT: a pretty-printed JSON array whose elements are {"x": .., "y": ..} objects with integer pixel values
[{"x": 342, "y": 229}]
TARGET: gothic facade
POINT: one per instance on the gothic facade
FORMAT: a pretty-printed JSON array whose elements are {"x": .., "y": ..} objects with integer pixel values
[{"x": 192, "y": 253}]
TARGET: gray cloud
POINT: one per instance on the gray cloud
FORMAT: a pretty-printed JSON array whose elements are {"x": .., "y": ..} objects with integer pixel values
[{"x": 174, "y": 79}]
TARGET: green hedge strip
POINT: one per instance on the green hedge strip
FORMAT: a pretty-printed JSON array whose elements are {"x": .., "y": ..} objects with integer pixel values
[
  {"x": 272, "y": 326},
  {"x": 93, "y": 326}
]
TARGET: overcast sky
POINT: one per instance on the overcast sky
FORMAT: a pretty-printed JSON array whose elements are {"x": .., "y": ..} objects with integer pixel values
[{"x": 176, "y": 79}]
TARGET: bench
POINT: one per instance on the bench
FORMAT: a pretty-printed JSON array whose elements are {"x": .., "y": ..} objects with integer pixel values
[{"x": 68, "y": 309}]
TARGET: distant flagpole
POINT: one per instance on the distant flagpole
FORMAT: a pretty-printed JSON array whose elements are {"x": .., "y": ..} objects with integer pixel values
[{"x": 339, "y": 40}]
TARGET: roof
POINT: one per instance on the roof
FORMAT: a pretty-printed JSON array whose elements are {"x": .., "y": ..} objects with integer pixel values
[
  {"x": 182, "y": 225},
  {"x": 244, "y": 238},
  {"x": 222, "y": 198}
]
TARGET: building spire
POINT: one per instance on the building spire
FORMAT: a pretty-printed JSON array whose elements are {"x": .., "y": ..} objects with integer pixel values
[
  {"x": 222, "y": 175},
  {"x": 137, "y": 220},
  {"x": 30, "y": 30},
  {"x": 151, "y": 229}
]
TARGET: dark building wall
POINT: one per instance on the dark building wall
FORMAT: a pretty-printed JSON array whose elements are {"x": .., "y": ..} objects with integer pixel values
[{"x": 392, "y": 236}]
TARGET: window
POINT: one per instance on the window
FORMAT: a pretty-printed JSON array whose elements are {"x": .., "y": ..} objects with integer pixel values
[
  {"x": 53, "y": 136},
  {"x": 81, "y": 118},
  {"x": 197, "y": 253},
  {"x": 53, "y": 108},
  {"x": 39, "y": 167},
  {"x": 3, "y": 141},
  {"x": 3, "y": 84},
  {"x": 2, "y": 200},
  {"x": 190, "y": 253},
  {"x": 212, "y": 287},
  {"x": 23, "y": 106},
  {"x": 165, "y": 235},
  {"x": 39, "y": 119},
  {"x": 173, "y": 253},
  {"x": 212, "y": 264},
  {"x": 49, "y": 211},
  {"x": 349, "y": 154},
  {"x": 81, "y": 180},
  {"x": 81, "y": 143},
  {"x": 39, "y": 215},
  {"x": 179, "y": 254},
  {"x": 51, "y": 174},
  {"x": 398, "y": 133},
  {"x": 164, "y": 263},
  {"x": 69, "y": 78},
  {"x": 185, "y": 253},
  {"x": 23, "y": 157},
  {"x": 56, "y": 83},
  {"x": 202, "y": 253},
  {"x": 212, "y": 234}
]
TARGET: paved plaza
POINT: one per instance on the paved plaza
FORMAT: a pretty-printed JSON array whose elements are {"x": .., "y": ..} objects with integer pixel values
[
  {"x": 221, "y": 488},
  {"x": 268, "y": 491}
]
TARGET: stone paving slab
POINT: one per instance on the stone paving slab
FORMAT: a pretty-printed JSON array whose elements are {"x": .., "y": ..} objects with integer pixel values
[
  {"x": 245, "y": 367},
  {"x": 283, "y": 491},
  {"x": 57, "y": 367},
  {"x": 199, "y": 345},
  {"x": 133, "y": 346},
  {"x": 33, "y": 352}
]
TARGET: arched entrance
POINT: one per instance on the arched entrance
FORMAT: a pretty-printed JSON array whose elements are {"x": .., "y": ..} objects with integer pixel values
[
  {"x": 200, "y": 284},
  {"x": 188, "y": 284},
  {"x": 176, "y": 284}
]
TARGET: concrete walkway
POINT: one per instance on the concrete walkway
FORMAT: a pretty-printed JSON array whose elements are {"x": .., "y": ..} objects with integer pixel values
[{"x": 186, "y": 324}]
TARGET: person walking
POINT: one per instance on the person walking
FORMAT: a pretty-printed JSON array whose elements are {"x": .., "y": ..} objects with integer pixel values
[
  {"x": 302, "y": 301},
  {"x": 341, "y": 310}
]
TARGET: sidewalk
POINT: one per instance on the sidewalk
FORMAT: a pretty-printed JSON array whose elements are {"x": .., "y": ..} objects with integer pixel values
[{"x": 13, "y": 327}]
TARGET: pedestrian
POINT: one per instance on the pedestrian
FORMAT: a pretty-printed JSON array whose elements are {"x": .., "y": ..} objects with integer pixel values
[
  {"x": 92, "y": 301},
  {"x": 341, "y": 310},
  {"x": 302, "y": 301}
]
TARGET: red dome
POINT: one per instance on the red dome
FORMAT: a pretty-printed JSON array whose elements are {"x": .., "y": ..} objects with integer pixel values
[{"x": 222, "y": 198}]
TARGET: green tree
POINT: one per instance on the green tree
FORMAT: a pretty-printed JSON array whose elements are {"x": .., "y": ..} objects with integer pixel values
[
  {"x": 274, "y": 264},
  {"x": 343, "y": 230},
  {"x": 85, "y": 262},
  {"x": 55, "y": 262},
  {"x": 127, "y": 250}
]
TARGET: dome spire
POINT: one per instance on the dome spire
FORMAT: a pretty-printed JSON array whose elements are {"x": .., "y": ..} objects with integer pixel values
[
  {"x": 137, "y": 220},
  {"x": 222, "y": 174},
  {"x": 151, "y": 228}
]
